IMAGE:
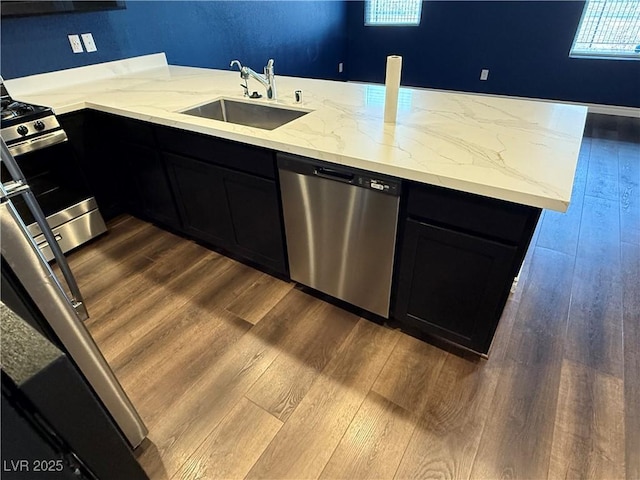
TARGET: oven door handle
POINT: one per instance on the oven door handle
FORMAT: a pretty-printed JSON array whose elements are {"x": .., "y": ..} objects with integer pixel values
[
  {"x": 45, "y": 244},
  {"x": 18, "y": 177},
  {"x": 37, "y": 143}
]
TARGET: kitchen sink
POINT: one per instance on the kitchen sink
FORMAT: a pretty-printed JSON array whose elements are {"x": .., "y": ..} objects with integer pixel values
[{"x": 256, "y": 115}]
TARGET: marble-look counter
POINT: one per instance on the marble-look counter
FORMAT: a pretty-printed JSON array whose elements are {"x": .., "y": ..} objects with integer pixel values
[{"x": 517, "y": 150}]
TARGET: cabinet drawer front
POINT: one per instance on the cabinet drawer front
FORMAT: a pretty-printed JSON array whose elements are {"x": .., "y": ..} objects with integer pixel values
[
  {"x": 137, "y": 132},
  {"x": 222, "y": 152},
  {"x": 125, "y": 129},
  {"x": 471, "y": 213},
  {"x": 452, "y": 284}
]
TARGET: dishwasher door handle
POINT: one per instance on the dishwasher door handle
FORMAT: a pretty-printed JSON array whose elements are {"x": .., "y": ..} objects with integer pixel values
[{"x": 332, "y": 174}]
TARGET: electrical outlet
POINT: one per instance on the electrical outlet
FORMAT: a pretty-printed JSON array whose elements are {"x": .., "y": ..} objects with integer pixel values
[
  {"x": 484, "y": 74},
  {"x": 89, "y": 44},
  {"x": 76, "y": 46},
  {"x": 340, "y": 67}
]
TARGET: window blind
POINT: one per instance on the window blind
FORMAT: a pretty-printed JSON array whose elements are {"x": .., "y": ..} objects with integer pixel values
[
  {"x": 392, "y": 12},
  {"x": 609, "y": 28}
]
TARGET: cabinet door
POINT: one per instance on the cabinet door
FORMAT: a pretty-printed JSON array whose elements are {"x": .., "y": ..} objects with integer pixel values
[
  {"x": 98, "y": 159},
  {"x": 74, "y": 126},
  {"x": 149, "y": 190},
  {"x": 452, "y": 285},
  {"x": 255, "y": 214},
  {"x": 201, "y": 198}
]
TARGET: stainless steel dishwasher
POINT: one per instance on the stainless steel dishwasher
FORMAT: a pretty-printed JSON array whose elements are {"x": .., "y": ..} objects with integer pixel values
[{"x": 341, "y": 226}]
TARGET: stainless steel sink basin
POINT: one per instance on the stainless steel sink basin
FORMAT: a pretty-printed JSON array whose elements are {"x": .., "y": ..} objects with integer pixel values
[{"x": 256, "y": 115}]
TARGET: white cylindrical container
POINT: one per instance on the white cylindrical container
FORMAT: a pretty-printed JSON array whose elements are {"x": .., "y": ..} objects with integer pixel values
[{"x": 392, "y": 86}]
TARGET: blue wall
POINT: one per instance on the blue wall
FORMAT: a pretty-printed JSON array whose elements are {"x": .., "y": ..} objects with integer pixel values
[
  {"x": 306, "y": 38},
  {"x": 524, "y": 44}
]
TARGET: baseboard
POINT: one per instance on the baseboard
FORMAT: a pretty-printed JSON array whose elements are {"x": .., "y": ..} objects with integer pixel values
[{"x": 614, "y": 110}]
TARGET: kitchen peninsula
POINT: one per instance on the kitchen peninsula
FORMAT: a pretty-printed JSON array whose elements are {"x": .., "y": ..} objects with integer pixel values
[{"x": 477, "y": 169}]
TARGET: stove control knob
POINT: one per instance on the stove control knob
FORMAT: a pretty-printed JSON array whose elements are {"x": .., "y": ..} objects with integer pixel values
[
  {"x": 22, "y": 130},
  {"x": 39, "y": 126}
]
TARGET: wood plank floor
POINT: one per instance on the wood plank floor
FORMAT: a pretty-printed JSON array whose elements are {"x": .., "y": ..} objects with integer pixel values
[{"x": 241, "y": 375}]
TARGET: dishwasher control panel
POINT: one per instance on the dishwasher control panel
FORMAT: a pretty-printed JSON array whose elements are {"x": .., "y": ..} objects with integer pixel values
[
  {"x": 381, "y": 185},
  {"x": 309, "y": 167}
]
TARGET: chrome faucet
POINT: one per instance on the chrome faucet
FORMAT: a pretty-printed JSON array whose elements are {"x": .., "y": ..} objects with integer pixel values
[{"x": 268, "y": 80}]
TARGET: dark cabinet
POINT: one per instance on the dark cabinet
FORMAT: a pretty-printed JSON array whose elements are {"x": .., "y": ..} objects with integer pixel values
[
  {"x": 148, "y": 191},
  {"x": 95, "y": 154},
  {"x": 255, "y": 214},
  {"x": 220, "y": 192},
  {"x": 199, "y": 189},
  {"x": 74, "y": 126},
  {"x": 124, "y": 169},
  {"x": 225, "y": 153},
  {"x": 230, "y": 209},
  {"x": 458, "y": 257},
  {"x": 452, "y": 284}
]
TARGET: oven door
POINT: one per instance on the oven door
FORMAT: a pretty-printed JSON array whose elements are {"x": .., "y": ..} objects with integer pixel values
[{"x": 63, "y": 195}]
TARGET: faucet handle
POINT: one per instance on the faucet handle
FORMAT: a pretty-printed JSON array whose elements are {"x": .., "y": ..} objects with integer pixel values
[
  {"x": 271, "y": 78},
  {"x": 268, "y": 70},
  {"x": 236, "y": 62}
]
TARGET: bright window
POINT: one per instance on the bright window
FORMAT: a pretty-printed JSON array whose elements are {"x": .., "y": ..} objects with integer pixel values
[
  {"x": 392, "y": 12},
  {"x": 608, "y": 28}
]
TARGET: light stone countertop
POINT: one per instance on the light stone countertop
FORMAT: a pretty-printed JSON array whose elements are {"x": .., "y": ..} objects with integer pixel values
[{"x": 517, "y": 150}]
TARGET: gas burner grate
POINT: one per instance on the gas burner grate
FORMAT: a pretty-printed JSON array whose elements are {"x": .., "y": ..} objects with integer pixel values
[
  {"x": 20, "y": 108},
  {"x": 8, "y": 114}
]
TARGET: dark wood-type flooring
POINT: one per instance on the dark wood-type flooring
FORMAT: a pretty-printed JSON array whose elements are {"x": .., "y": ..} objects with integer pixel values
[{"x": 240, "y": 375}]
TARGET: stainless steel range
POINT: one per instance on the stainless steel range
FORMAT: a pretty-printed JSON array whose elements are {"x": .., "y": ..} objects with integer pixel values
[{"x": 39, "y": 145}]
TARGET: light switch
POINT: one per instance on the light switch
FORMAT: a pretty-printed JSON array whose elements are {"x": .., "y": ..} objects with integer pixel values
[
  {"x": 76, "y": 46},
  {"x": 89, "y": 44},
  {"x": 484, "y": 73}
]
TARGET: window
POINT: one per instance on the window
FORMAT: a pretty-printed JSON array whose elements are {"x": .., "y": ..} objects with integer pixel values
[
  {"x": 608, "y": 28},
  {"x": 392, "y": 12}
]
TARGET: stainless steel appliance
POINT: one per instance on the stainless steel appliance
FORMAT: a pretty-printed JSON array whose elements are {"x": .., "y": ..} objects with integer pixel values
[
  {"x": 341, "y": 230},
  {"x": 27, "y": 276},
  {"x": 39, "y": 144}
]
